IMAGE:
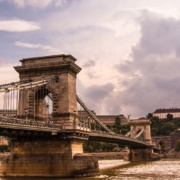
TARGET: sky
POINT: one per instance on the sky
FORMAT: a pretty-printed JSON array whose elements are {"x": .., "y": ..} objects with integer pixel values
[{"x": 129, "y": 51}]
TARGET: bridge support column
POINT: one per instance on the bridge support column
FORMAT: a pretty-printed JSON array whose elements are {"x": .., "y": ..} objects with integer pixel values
[
  {"x": 48, "y": 157},
  {"x": 141, "y": 154}
]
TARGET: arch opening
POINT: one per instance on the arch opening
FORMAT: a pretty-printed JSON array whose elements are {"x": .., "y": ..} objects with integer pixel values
[{"x": 43, "y": 104}]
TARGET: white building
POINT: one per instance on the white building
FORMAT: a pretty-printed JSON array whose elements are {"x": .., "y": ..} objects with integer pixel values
[{"x": 162, "y": 113}]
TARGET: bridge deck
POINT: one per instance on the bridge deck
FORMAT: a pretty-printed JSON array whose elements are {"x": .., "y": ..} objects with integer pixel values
[
  {"x": 20, "y": 127},
  {"x": 116, "y": 138}
]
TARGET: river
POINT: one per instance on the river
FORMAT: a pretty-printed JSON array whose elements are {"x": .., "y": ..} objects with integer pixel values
[{"x": 155, "y": 170}]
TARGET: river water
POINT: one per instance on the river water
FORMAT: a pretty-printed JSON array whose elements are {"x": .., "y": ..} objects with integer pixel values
[{"x": 155, "y": 170}]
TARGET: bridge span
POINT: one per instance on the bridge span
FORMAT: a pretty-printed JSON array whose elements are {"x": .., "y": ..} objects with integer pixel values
[
  {"x": 39, "y": 115},
  {"x": 18, "y": 127}
]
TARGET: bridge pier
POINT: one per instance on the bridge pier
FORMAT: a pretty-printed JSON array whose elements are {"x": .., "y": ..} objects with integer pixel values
[
  {"x": 140, "y": 154},
  {"x": 140, "y": 128},
  {"x": 48, "y": 157}
]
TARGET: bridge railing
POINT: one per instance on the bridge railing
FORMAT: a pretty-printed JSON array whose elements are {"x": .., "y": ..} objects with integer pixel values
[
  {"x": 23, "y": 122},
  {"x": 76, "y": 125},
  {"x": 31, "y": 123}
]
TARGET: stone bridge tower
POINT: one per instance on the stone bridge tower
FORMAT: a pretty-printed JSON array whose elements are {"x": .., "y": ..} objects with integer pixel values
[
  {"x": 44, "y": 154},
  {"x": 62, "y": 91},
  {"x": 140, "y": 128}
]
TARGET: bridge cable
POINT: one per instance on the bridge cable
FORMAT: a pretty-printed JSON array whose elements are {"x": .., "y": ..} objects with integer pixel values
[
  {"x": 139, "y": 134},
  {"x": 93, "y": 116}
]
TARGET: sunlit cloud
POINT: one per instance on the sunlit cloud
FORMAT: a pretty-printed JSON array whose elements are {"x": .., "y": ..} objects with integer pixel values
[
  {"x": 8, "y": 74},
  {"x": 37, "y": 46},
  {"x": 17, "y": 25},
  {"x": 38, "y": 3}
]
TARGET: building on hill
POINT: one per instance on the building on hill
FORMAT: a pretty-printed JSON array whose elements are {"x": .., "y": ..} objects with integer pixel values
[
  {"x": 105, "y": 119},
  {"x": 83, "y": 115},
  {"x": 111, "y": 119},
  {"x": 162, "y": 113}
]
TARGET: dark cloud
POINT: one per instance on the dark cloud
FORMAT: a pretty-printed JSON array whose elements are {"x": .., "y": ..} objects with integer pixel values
[
  {"x": 95, "y": 96},
  {"x": 99, "y": 92},
  {"x": 150, "y": 79},
  {"x": 159, "y": 36},
  {"x": 153, "y": 76},
  {"x": 89, "y": 63}
]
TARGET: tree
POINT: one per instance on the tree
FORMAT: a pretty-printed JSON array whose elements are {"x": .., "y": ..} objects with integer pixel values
[
  {"x": 149, "y": 116},
  {"x": 176, "y": 123},
  {"x": 169, "y": 117},
  {"x": 118, "y": 121},
  {"x": 154, "y": 131},
  {"x": 167, "y": 128},
  {"x": 177, "y": 146}
]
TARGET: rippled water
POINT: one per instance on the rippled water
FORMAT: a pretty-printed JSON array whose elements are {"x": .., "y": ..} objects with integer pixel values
[{"x": 156, "y": 170}]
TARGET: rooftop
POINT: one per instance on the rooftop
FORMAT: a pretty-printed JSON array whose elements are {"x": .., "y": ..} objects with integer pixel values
[{"x": 170, "y": 110}]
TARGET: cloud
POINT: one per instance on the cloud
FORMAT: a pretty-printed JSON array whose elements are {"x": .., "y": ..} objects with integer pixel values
[
  {"x": 7, "y": 72},
  {"x": 17, "y": 25},
  {"x": 156, "y": 59},
  {"x": 89, "y": 63},
  {"x": 95, "y": 96},
  {"x": 0, "y": 62},
  {"x": 38, "y": 4},
  {"x": 37, "y": 46}
]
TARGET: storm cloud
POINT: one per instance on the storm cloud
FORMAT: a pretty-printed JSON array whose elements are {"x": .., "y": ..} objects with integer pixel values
[{"x": 152, "y": 76}]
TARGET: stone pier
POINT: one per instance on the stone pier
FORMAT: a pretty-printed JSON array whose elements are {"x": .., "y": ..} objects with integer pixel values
[{"x": 48, "y": 157}]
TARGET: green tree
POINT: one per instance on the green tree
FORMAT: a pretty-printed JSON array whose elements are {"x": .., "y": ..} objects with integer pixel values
[
  {"x": 176, "y": 123},
  {"x": 118, "y": 121},
  {"x": 169, "y": 117},
  {"x": 177, "y": 146},
  {"x": 149, "y": 116},
  {"x": 154, "y": 131},
  {"x": 125, "y": 129},
  {"x": 163, "y": 147},
  {"x": 167, "y": 128}
]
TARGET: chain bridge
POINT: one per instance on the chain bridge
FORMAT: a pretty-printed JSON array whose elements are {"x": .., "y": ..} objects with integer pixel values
[{"x": 39, "y": 114}]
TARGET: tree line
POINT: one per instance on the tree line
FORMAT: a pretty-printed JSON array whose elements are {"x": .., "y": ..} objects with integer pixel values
[
  {"x": 118, "y": 128},
  {"x": 163, "y": 127}
]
